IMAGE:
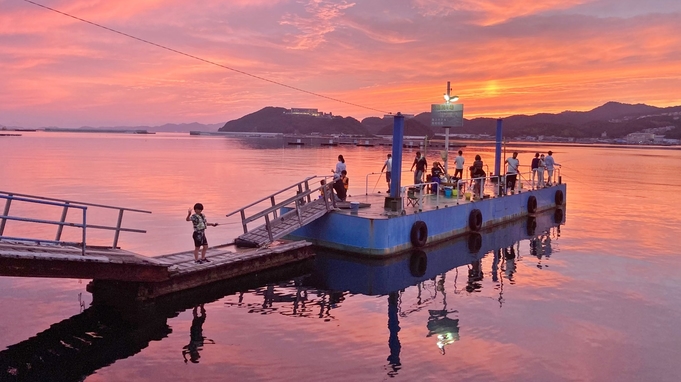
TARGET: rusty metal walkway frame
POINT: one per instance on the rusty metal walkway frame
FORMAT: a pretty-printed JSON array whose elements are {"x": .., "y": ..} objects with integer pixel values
[
  {"x": 308, "y": 204},
  {"x": 65, "y": 205}
]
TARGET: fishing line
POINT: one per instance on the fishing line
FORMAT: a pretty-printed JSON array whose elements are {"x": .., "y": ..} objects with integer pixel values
[
  {"x": 205, "y": 60},
  {"x": 227, "y": 224},
  {"x": 570, "y": 178}
]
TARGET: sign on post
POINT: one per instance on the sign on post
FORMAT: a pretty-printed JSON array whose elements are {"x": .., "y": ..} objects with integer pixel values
[{"x": 446, "y": 115}]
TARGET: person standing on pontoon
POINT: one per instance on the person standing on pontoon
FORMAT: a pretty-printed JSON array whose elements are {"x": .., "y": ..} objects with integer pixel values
[
  {"x": 512, "y": 172},
  {"x": 421, "y": 165},
  {"x": 458, "y": 173},
  {"x": 540, "y": 172},
  {"x": 478, "y": 175},
  {"x": 550, "y": 163},
  {"x": 340, "y": 166},
  {"x": 535, "y": 168},
  {"x": 388, "y": 167}
]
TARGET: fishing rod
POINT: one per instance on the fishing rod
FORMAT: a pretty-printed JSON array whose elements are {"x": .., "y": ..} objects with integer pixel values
[{"x": 375, "y": 185}]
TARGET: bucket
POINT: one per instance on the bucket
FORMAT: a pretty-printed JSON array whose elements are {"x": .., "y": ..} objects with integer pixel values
[
  {"x": 448, "y": 192},
  {"x": 354, "y": 207}
]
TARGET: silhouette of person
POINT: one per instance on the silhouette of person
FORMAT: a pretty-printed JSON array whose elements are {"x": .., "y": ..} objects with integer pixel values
[
  {"x": 475, "y": 276},
  {"x": 196, "y": 338},
  {"x": 393, "y": 359},
  {"x": 509, "y": 256}
]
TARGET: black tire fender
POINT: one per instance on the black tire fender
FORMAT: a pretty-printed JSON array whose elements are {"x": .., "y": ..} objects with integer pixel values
[
  {"x": 531, "y": 204},
  {"x": 474, "y": 242},
  {"x": 418, "y": 263},
  {"x": 419, "y": 234},
  {"x": 475, "y": 220},
  {"x": 531, "y": 225},
  {"x": 558, "y": 216},
  {"x": 559, "y": 198}
]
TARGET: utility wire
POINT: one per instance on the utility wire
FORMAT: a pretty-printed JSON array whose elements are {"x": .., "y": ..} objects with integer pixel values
[{"x": 205, "y": 60}]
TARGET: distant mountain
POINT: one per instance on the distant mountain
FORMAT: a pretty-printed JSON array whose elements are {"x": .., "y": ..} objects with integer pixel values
[
  {"x": 614, "y": 119},
  {"x": 279, "y": 120},
  {"x": 167, "y": 128},
  {"x": 185, "y": 127},
  {"x": 412, "y": 127},
  {"x": 374, "y": 124}
]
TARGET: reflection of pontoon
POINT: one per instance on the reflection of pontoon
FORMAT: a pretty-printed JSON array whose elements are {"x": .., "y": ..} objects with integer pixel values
[{"x": 335, "y": 271}]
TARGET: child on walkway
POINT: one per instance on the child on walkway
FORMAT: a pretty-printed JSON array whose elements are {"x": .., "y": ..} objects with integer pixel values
[{"x": 199, "y": 222}]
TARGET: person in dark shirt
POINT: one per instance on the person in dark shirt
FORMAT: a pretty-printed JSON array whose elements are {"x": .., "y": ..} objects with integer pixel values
[
  {"x": 339, "y": 187},
  {"x": 535, "y": 167},
  {"x": 478, "y": 172},
  {"x": 437, "y": 170},
  {"x": 421, "y": 164}
]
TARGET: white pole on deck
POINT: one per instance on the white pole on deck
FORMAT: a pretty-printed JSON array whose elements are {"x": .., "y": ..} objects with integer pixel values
[{"x": 447, "y": 135}]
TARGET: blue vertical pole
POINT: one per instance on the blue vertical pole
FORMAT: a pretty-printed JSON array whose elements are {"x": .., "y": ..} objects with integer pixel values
[
  {"x": 398, "y": 138},
  {"x": 497, "y": 154}
]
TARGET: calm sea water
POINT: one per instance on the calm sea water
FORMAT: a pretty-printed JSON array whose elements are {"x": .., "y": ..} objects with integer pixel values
[{"x": 598, "y": 298}]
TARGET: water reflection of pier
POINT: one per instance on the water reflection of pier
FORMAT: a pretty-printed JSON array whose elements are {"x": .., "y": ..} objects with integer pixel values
[
  {"x": 428, "y": 271},
  {"x": 415, "y": 282},
  {"x": 110, "y": 330}
]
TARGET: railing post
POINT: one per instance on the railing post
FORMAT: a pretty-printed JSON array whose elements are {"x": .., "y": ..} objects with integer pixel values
[
  {"x": 300, "y": 191},
  {"x": 5, "y": 213},
  {"x": 243, "y": 221},
  {"x": 331, "y": 195},
  {"x": 307, "y": 188},
  {"x": 300, "y": 217},
  {"x": 84, "y": 227},
  {"x": 63, "y": 219},
  {"x": 274, "y": 213},
  {"x": 118, "y": 228},
  {"x": 269, "y": 228}
]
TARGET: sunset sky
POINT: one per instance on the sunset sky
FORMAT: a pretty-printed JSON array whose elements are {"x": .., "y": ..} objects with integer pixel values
[{"x": 503, "y": 57}]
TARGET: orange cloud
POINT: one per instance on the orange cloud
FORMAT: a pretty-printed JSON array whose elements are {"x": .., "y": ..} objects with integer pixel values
[{"x": 517, "y": 57}]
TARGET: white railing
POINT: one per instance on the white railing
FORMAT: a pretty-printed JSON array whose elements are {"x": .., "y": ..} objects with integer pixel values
[
  {"x": 532, "y": 180},
  {"x": 366, "y": 180},
  {"x": 301, "y": 193},
  {"x": 65, "y": 205}
]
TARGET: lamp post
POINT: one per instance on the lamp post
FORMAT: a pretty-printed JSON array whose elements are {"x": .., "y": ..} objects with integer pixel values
[
  {"x": 447, "y": 115},
  {"x": 448, "y": 99}
]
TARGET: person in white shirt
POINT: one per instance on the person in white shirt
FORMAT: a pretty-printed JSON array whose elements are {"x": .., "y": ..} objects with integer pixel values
[
  {"x": 388, "y": 166},
  {"x": 512, "y": 172},
  {"x": 540, "y": 172},
  {"x": 340, "y": 166},
  {"x": 549, "y": 162},
  {"x": 458, "y": 173}
]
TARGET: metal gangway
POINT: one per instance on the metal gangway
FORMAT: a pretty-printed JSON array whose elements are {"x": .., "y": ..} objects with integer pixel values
[
  {"x": 306, "y": 205},
  {"x": 81, "y": 222}
]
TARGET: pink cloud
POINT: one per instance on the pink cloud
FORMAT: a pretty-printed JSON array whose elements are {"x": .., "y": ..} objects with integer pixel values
[{"x": 526, "y": 58}]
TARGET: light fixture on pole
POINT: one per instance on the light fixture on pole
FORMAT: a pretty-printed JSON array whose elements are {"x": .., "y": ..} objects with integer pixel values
[
  {"x": 448, "y": 99},
  {"x": 447, "y": 115}
]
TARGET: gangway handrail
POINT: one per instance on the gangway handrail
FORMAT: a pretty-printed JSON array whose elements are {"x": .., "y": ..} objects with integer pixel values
[
  {"x": 65, "y": 204},
  {"x": 303, "y": 191},
  {"x": 74, "y": 202},
  {"x": 272, "y": 195},
  {"x": 280, "y": 205}
]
